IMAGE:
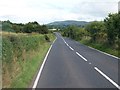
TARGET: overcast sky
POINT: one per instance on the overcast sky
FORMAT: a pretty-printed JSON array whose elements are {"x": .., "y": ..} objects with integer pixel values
[{"x": 46, "y": 11}]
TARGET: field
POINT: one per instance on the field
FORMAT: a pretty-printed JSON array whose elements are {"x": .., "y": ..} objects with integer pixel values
[{"x": 22, "y": 55}]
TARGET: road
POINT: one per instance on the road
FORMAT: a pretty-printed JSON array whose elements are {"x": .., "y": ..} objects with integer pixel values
[{"x": 74, "y": 65}]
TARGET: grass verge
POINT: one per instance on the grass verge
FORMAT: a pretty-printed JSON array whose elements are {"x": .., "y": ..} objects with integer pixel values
[
  {"x": 101, "y": 46},
  {"x": 30, "y": 68},
  {"x": 21, "y": 63}
]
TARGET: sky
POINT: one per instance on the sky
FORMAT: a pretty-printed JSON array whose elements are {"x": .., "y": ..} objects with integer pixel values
[{"x": 46, "y": 11}]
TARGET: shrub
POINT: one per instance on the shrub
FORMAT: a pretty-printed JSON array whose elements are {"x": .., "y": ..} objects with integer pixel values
[{"x": 47, "y": 38}]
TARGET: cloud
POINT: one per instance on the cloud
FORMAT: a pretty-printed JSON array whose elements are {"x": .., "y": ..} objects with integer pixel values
[
  {"x": 45, "y": 11},
  {"x": 95, "y": 8}
]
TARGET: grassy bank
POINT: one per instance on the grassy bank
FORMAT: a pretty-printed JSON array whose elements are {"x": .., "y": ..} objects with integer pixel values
[
  {"x": 100, "y": 46},
  {"x": 22, "y": 56}
]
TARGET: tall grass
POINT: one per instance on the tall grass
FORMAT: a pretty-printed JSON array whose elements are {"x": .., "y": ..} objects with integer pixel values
[{"x": 22, "y": 55}]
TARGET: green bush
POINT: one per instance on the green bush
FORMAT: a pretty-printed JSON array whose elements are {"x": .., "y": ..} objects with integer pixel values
[{"x": 47, "y": 38}]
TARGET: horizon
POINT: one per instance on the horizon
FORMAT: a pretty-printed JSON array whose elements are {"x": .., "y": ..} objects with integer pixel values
[{"x": 46, "y": 23}]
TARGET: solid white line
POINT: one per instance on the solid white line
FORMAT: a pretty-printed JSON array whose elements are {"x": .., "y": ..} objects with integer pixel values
[
  {"x": 71, "y": 48},
  {"x": 41, "y": 68},
  {"x": 81, "y": 56},
  {"x": 114, "y": 83},
  {"x": 104, "y": 53}
]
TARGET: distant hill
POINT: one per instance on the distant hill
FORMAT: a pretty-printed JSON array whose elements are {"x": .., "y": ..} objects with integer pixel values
[{"x": 67, "y": 23}]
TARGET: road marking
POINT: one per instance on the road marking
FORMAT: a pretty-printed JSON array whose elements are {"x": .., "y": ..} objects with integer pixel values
[
  {"x": 89, "y": 63},
  {"x": 62, "y": 38},
  {"x": 81, "y": 56},
  {"x": 71, "y": 48},
  {"x": 99, "y": 51},
  {"x": 104, "y": 53},
  {"x": 64, "y": 41},
  {"x": 114, "y": 83},
  {"x": 41, "y": 68},
  {"x": 67, "y": 44},
  {"x": 99, "y": 71}
]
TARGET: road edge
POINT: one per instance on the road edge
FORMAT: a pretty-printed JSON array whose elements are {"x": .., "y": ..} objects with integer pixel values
[
  {"x": 103, "y": 52},
  {"x": 41, "y": 67}
]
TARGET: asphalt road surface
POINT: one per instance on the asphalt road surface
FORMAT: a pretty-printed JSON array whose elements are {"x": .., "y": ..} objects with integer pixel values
[{"x": 74, "y": 65}]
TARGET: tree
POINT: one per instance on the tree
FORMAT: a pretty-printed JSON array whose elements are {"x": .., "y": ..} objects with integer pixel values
[
  {"x": 112, "y": 23},
  {"x": 7, "y": 26},
  {"x": 80, "y": 33},
  {"x": 70, "y": 31},
  {"x": 44, "y": 29},
  {"x": 28, "y": 28},
  {"x": 94, "y": 29},
  {"x": 17, "y": 27}
]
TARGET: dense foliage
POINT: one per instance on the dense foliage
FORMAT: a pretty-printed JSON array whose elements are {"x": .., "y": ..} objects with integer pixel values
[
  {"x": 112, "y": 23},
  {"x": 96, "y": 29},
  {"x": 75, "y": 32},
  {"x": 24, "y": 28}
]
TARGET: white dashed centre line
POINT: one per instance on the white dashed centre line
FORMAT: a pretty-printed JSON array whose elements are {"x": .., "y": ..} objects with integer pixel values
[
  {"x": 71, "y": 48},
  {"x": 67, "y": 44},
  {"x": 89, "y": 63},
  {"x": 81, "y": 56},
  {"x": 99, "y": 71},
  {"x": 110, "y": 80}
]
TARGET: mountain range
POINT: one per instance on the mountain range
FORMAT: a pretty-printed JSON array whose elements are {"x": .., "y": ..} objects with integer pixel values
[{"x": 68, "y": 23}]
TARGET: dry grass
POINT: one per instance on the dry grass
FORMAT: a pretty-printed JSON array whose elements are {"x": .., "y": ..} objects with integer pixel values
[{"x": 11, "y": 33}]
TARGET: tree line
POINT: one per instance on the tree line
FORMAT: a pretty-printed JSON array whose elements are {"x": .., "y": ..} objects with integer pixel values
[
  {"x": 107, "y": 31},
  {"x": 24, "y": 28}
]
